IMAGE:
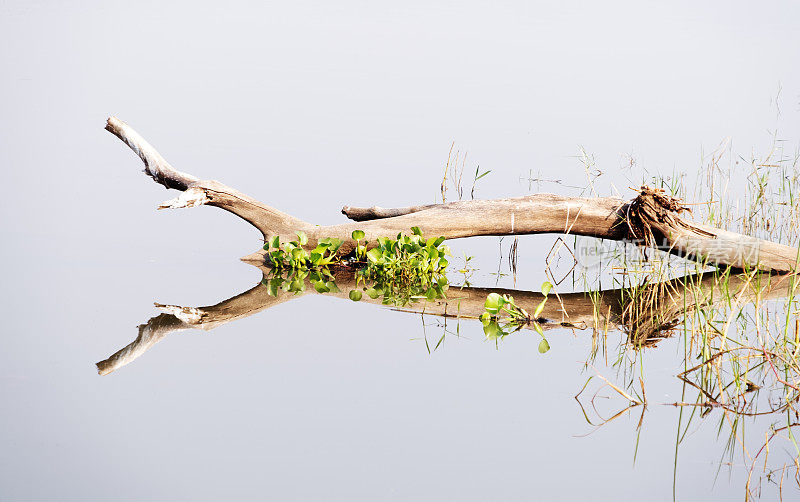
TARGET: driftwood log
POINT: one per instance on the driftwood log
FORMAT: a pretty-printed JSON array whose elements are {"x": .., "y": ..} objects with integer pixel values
[
  {"x": 651, "y": 219},
  {"x": 646, "y": 314}
]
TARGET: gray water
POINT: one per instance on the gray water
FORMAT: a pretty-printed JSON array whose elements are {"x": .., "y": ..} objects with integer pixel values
[{"x": 309, "y": 107}]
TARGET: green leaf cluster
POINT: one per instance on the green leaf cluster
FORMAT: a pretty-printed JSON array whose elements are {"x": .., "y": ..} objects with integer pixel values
[
  {"x": 502, "y": 316},
  {"x": 292, "y": 255},
  {"x": 404, "y": 269},
  {"x": 292, "y": 264},
  {"x": 401, "y": 270},
  {"x": 294, "y": 281}
]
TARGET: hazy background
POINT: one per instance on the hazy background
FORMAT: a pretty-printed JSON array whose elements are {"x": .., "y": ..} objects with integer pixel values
[{"x": 309, "y": 106}]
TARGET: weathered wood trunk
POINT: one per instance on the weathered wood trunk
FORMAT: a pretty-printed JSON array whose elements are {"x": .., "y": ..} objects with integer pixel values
[{"x": 651, "y": 219}]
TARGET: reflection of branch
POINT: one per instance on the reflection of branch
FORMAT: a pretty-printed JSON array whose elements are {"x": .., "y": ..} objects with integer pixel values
[
  {"x": 149, "y": 334},
  {"x": 178, "y": 318},
  {"x": 574, "y": 310},
  {"x": 651, "y": 311},
  {"x": 632, "y": 403},
  {"x": 774, "y": 433}
]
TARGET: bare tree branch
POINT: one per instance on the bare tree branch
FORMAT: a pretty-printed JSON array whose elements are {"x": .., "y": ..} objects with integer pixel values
[
  {"x": 266, "y": 219},
  {"x": 651, "y": 219}
]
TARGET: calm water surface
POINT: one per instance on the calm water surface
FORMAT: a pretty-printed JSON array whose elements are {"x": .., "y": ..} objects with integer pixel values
[{"x": 308, "y": 108}]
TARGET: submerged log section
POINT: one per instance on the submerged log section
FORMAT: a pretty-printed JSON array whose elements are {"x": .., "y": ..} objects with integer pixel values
[{"x": 651, "y": 219}]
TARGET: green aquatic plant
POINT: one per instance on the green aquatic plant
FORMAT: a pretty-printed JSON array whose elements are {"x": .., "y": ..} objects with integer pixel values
[
  {"x": 502, "y": 316},
  {"x": 292, "y": 255},
  {"x": 361, "y": 249},
  {"x": 294, "y": 281},
  {"x": 401, "y": 270},
  {"x": 292, "y": 265},
  {"x": 407, "y": 268}
]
